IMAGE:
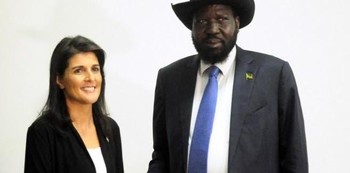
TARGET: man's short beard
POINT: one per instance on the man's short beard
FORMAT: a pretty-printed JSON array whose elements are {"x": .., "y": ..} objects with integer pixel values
[{"x": 213, "y": 56}]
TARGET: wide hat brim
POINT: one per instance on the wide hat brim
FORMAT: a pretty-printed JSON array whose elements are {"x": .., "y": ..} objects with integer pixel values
[{"x": 244, "y": 8}]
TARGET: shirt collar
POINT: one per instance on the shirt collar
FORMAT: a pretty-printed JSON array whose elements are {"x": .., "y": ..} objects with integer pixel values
[{"x": 223, "y": 66}]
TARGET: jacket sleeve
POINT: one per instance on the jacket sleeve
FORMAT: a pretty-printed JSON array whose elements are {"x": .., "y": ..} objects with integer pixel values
[
  {"x": 38, "y": 157},
  {"x": 118, "y": 147},
  {"x": 292, "y": 140},
  {"x": 160, "y": 157}
]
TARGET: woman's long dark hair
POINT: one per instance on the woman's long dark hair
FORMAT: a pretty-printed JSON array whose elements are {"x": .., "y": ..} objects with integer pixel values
[{"x": 55, "y": 108}]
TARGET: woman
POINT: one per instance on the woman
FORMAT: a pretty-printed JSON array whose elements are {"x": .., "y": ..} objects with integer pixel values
[{"x": 73, "y": 132}]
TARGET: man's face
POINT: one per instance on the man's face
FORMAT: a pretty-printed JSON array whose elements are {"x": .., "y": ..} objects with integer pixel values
[{"x": 214, "y": 32}]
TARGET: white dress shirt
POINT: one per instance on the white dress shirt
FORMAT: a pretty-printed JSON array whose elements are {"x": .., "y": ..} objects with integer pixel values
[{"x": 219, "y": 140}]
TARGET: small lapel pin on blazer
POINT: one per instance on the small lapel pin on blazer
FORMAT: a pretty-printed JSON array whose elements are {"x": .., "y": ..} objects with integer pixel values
[
  {"x": 107, "y": 139},
  {"x": 249, "y": 76}
]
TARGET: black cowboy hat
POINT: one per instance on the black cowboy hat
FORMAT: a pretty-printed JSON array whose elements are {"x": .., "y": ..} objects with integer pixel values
[{"x": 244, "y": 9}]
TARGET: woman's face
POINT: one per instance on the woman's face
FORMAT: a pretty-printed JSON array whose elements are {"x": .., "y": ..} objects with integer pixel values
[{"x": 82, "y": 79}]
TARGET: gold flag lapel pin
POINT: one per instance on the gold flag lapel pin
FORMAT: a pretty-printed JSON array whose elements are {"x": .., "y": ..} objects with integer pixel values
[{"x": 249, "y": 76}]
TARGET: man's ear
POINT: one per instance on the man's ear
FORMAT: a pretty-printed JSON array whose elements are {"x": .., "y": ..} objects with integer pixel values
[
  {"x": 59, "y": 82},
  {"x": 237, "y": 21}
]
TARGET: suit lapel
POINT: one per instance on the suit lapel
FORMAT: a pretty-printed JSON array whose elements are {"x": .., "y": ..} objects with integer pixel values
[
  {"x": 188, "y": 81},
  {"x": 245, "y": 71}
]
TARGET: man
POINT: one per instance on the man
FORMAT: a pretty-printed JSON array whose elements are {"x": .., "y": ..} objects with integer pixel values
[{"x": 257, "y": 123}]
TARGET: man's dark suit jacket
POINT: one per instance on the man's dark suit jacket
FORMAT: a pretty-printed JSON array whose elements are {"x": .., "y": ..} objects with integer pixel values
[{"x": 267, "y": 129}]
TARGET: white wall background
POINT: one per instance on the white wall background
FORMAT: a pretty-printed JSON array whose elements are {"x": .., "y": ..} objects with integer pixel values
[{"x": 142, "y": 36}]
